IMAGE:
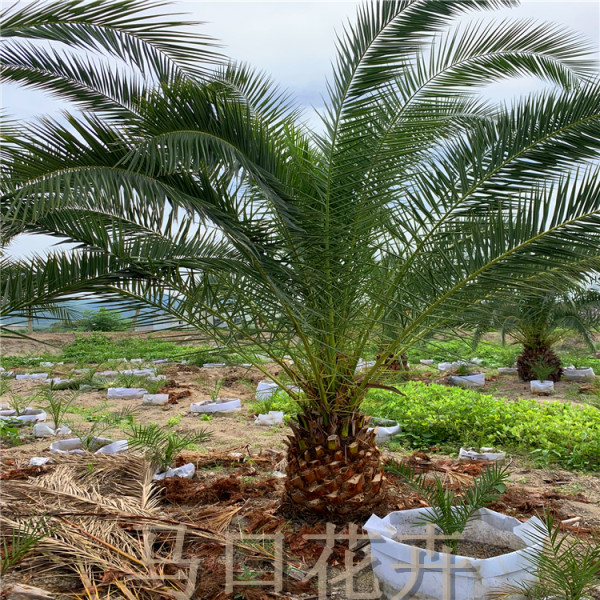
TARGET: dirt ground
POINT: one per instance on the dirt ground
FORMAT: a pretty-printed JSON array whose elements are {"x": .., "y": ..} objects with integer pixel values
[{"x": 250, "y": 491}]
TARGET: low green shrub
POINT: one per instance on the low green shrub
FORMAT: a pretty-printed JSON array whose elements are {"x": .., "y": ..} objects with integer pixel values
[
  {"x": 493, "y": 354},
  {"x": 280, "y": 400},
  {"x": 551, "y": 432},
  {"x": 97, "y": 348}
]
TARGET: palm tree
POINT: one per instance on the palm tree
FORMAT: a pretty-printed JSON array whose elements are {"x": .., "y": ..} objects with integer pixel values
[
  {"x": 214, "y": 202},
  {"x": 538, "y": 321},
  {"x": 61, "y": 47}
]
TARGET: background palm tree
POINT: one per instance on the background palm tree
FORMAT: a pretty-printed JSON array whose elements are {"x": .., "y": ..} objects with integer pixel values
[
  {"x": 538, "y": 321},
  {"x": 212, "y": 200}
]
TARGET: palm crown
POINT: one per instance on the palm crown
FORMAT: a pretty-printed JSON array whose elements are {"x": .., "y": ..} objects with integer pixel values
[{"x": 208, "y": 198}]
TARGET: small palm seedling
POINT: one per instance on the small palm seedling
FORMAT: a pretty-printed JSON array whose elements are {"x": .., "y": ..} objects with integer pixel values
[
  {"x": 215, "y": 390},
  {"x": 56, "y": 406},
  {"x": 542, "y": 370},
  {"x": 567, "y": 569},
  {"x": 449, "y": 511},
  {"x": 19, "y": 540},
  {"x": 99, "y": 424},
  {"x": 19, "y": 403},
  {"x": 4, "y": 387},
  {"x": 212, "y": 389},
  {"x": 139, "y": 381},
  {"x": 162, "y": 447}
]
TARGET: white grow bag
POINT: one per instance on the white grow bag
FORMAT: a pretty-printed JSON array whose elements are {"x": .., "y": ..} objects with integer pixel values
[
  {"x": 186, "y": 471},
  {"x": 482, "y": 454},
  {"x": 507, "y": 371},
  {"x": 470, "y": 579},
  {"x": 29, "y": 415},
  {"x": 385, "y": 429},
  {"x": 26, "y": 376},
  {"x": 126, "y": 393},
  {"x": 274, "y": 417},
  {"x": 99, "y": 446},
  {"x": 582, "y": 374},
  {"x": 155, "y": 399},
  {"x": 49, "y": 430},
  {"x": 469, "y": 381},
  {"x": 541, "y": 387},
  {"x": 221, "y": 405},
  {"x": 265, "y": 389},
  {"x": 426, "y": 361},
  {"x": 213, "y": 365}
]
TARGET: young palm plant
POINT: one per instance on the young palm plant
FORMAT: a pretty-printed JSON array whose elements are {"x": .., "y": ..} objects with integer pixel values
[
  {"x": 449, "y": 511},
  {"x": 215, "y": 203},
  {"x": 540, "y": 320}
]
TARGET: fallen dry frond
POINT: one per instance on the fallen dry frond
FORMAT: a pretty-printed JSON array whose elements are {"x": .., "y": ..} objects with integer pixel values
[{"x": 105, "y": 524}]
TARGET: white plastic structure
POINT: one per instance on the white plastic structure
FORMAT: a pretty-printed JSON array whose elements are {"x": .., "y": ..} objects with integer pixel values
[
  {"x": 155, "y": 399},
  {"x": 213, "y": 365},
  {"x": 81, "y": 371},
  {"x": 46, "y": 364},
  {"x": 482, "y": 454},
  {"x": 38, "y": 461},
  {"x": 385, "y": 433},
  {"x": 476, "y": 361},
  {"x": 29, "y": 415},
  {"x": 186, "y": 471},
  {"x": 582, "y": 374},
  {"x": 75, "y": 446},
  {"x": 273, "y": 417},
  {"x": 364, "y": 365},
  {"x": 126, "y": 393},
  {"x": 469, "y": 381},
  {"x": 136, "y": 360},
  {"x": 507, "y": 370},
  {"x": 49, "y": 430},
  {"x": 541, "y": 387},
  {"x": 144, "y": 372},
  {"x": 426, "y": 361},
  {"x": 265, "y": 389},
  {"x": 57, "y": 380},
  {"x": 7, "y": 374},
  {"x": 160, "y": 361},
  {"x": 445, "y": 366},
  {"x": 109, "y": 373},
  {"x": 471, "y": 578},
  {"x": 114, "y": 447},
  {"x": 221, "y": 405},
  {"x": 26, "y": 376}
]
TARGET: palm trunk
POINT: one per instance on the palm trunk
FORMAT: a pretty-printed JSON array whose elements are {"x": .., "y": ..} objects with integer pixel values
[
  {"x": 334, "y": 468},
  {"x": 537, "y": 351}
]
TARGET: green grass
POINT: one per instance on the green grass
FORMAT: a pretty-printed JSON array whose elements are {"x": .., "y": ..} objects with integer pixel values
[{"x": 551, "y": 433}]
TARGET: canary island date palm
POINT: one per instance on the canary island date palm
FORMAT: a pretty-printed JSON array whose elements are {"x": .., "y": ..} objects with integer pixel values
[
  {"x": 214, "y": 202},
  {"x": 537, "y": 321},
  {"x": 99, "y": 54}
]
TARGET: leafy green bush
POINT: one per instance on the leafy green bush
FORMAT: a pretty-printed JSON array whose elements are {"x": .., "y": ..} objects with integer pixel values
[
  {"x": 493, "y": 354},
  {"x": 280, "y": 400},
  {"x": 103, "y": 319},
  {"x": 97, "y": 348},
  {"x": 434, "y": 415}
]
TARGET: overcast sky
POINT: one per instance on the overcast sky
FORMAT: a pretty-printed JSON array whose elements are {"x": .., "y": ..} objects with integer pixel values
[{"x": 295, "y": 43}]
